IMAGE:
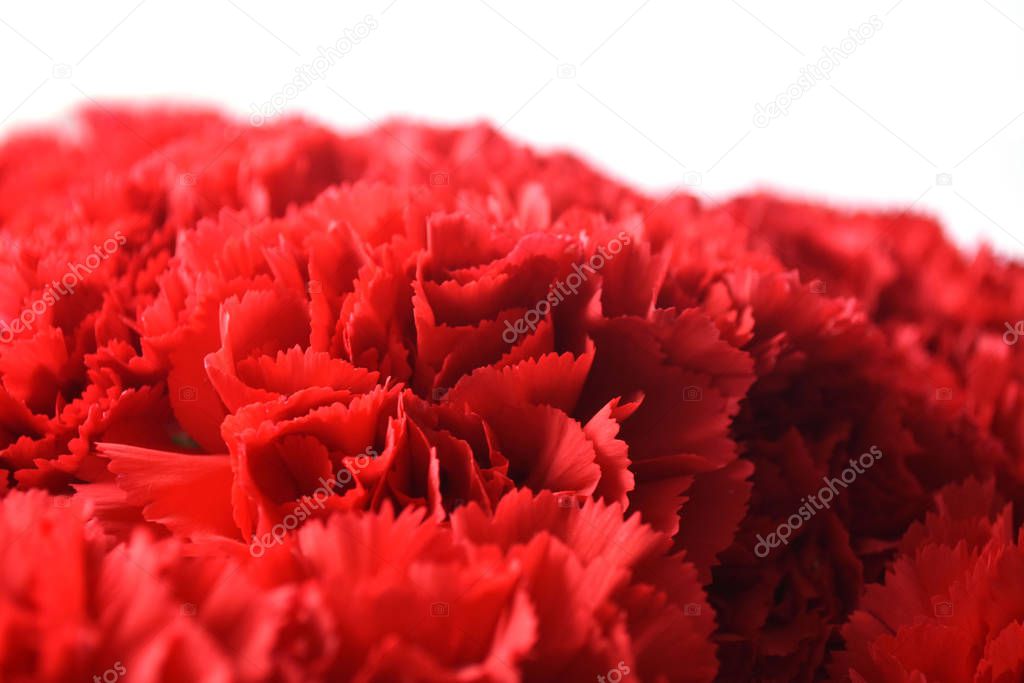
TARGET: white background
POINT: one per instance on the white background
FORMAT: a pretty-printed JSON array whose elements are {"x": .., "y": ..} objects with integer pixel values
[{"x": 664, "y": 92}]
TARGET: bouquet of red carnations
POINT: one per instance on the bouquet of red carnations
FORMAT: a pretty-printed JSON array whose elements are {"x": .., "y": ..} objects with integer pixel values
[{"x": 421, "y": 404}]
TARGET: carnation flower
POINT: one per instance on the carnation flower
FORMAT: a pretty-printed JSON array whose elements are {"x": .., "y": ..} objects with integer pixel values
[
  {"x": 280, "y": 404},
  {"x": 951, "y": 606},
  {"x": 539, "y": 589}
]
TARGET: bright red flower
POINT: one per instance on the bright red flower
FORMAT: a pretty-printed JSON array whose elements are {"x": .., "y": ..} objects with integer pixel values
[
  {"x": 540, "y": 589},
  {"x": 319, "y": 386}
]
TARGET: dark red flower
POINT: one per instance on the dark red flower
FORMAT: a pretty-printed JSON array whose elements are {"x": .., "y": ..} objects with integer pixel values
[{"x": 952, "y": 605}]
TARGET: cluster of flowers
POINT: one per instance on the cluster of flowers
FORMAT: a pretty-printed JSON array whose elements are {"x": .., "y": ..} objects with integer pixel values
[{"x": 583, "y": 499}]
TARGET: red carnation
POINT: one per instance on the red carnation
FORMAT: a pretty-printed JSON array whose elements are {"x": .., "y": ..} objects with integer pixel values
[
  {"x": 951, "y": 607},
  {"x": 425, "y": 403},
  {"x": 541, "y": 589}
]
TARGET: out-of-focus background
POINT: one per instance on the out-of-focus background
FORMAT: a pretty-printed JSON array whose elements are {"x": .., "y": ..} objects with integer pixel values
[{"x": 901, "y": 103}]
